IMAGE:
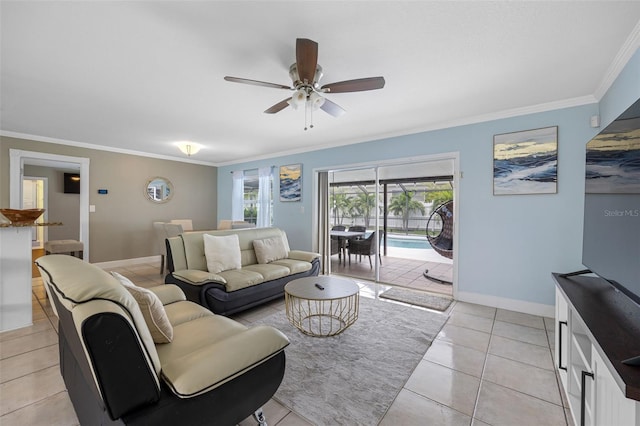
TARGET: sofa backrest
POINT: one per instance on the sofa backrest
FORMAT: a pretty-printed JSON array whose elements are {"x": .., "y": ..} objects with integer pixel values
[
  {"x": 187, "y": 250},
  {"x": 102, "y": 333},
  {"x": 84, "y": 290}
]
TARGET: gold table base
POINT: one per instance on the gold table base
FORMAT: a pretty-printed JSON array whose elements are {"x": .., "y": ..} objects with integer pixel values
[{"x": 322, "y": 318}]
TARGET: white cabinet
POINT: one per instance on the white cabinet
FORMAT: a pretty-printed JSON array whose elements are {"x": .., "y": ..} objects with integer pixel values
[
  {"x": 612, "y": 407},
  {"x": 593, "y": 387},
  {"x": 15, "y": 277},
  {"x": 561, "y": 336}
]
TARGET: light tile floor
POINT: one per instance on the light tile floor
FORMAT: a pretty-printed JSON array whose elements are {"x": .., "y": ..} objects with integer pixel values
[{"x": 486, "y": 367}]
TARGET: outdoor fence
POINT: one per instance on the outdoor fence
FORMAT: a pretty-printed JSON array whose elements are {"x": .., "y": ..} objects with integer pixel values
[{"x": 416, "y": 223}]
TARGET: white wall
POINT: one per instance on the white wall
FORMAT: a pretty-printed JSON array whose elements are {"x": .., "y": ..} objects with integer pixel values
[{"x": 508, "y": 245}]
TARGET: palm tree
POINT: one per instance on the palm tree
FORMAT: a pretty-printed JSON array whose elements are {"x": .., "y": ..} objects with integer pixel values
[
  {"x": 438, "y": 197},
  {"x": 403, "y": 204},
  {"x": 363, "y": 204},
  {"x": 341, "y": 205}
]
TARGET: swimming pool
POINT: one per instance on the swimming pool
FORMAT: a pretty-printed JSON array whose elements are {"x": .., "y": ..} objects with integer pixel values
[{"x": 410, "y": 242}]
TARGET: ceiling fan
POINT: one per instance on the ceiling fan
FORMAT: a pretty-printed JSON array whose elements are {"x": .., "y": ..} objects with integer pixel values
[{"x": 306, "y": 74}]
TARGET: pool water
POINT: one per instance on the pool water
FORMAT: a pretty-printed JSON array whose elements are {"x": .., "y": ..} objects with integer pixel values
[{"x": 415, "y": 243}]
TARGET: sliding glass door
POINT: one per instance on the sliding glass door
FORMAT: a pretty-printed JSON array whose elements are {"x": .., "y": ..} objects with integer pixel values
[
  {"x": 354, "y": 206},
  {"x": 376, "y": 223}
]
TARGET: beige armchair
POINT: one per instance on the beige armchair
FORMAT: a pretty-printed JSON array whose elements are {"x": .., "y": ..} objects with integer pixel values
[
  {"x": 162, "y": 231},
  {"x": 187, "y": 224},
  {"x": 160, "y": 237},
  {"x": 234, "y": 224}
]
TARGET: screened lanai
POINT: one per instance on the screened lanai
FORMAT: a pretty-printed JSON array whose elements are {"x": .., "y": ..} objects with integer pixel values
[{"x": 404, "y": 208}]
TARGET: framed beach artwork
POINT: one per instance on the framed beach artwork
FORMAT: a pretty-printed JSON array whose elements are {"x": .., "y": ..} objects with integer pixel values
[
  {"x": 291, "y": 182},
  {"x": 526, "y": 162}
]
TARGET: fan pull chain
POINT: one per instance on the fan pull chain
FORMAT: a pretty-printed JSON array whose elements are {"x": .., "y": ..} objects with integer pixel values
[{"x": 306, "y": 107}]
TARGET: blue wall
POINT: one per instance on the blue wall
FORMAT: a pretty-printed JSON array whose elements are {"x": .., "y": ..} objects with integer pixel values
[{"x": 508, "y": 245}]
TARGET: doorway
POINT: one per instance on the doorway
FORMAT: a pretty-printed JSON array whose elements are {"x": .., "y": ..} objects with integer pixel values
[
  {"x": 405, "y": 195},
  {"x": 17, "y": 161}
]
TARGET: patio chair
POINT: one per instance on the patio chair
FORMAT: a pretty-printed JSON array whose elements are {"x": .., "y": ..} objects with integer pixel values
[
  {"x": 364, "y": 247},
  {"x": 357, "y": 228}
]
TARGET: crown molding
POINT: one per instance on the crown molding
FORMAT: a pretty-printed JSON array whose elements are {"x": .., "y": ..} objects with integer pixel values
[
  {"x": 623, "y": 56},
  {"x": 46, "y": 139},
  {"x": 514, "y": 112}
]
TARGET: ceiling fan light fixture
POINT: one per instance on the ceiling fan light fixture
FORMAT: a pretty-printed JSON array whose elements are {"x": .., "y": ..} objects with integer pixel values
[
  {"x": 188, "y": 148},
  {"x": 299, "y": 98},
  {"x": 316, "y": 100}
]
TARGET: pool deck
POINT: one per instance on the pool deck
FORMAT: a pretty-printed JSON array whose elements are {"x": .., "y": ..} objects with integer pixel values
[{"x": 403, "y": 267}]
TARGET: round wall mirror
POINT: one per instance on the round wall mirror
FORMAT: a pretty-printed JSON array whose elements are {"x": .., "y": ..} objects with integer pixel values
[{"x": 158, "y": 189}]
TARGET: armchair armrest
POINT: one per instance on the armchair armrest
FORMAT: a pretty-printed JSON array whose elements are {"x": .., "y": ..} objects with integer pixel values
[
  {"x": 168, "y": 293},
  {"x": 212, "y": 366},
  {"x": 306, "y": 256}
]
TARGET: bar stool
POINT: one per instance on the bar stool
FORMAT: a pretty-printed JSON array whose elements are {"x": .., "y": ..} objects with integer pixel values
[{"x": 71, "y": 247}]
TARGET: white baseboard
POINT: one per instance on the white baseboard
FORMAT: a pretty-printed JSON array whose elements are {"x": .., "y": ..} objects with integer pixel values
[
  {"x": 509, "y": 304},
  {"x": 128, "y": 262}
]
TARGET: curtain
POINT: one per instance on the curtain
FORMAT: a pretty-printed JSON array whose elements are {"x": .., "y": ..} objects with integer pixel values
[
  {"x": 324, "y": 242},
  {"x": 237, "y": 196},
  {"x": 264, "y": 197}
]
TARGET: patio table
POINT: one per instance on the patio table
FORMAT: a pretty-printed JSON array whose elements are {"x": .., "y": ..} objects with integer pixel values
[{"x": 342, "y": 237}]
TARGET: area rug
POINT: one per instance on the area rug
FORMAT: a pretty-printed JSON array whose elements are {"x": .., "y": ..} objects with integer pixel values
[
  {"x": 419, "y": 298},
  {"x": 352, "y": 378}
]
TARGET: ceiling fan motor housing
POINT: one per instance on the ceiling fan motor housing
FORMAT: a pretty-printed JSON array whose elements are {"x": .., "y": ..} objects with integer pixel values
[{"x": 295, "y": 78}]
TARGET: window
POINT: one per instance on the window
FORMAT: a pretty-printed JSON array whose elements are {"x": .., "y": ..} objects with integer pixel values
[{"x": 252, "y": 204}]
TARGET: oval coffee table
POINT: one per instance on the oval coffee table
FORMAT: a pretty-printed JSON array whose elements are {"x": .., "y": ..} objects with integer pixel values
[{"x": 322, "y": 306}]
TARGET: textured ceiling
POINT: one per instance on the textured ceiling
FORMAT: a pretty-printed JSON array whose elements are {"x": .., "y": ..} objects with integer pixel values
[{"x": 139, "y": 76}]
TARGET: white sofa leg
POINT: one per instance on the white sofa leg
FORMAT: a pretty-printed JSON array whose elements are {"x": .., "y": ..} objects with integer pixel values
[{"x": 259, "y": 416}]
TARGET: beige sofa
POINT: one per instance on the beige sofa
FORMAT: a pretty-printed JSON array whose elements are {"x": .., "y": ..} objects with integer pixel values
[
  {"x": 265, "y": 265},
  {"x": 147, "y": 356}
]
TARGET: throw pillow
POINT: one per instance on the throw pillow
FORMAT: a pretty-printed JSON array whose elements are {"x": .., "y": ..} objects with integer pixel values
[
  {"x": 222, "y": 253},
  {"x": 152, "y": 310},
  {"x": 270, "y": 249}
]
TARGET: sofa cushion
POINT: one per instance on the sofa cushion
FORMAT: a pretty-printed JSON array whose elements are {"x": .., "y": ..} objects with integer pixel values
[
  {"x": 152, "y": 310},
  {"x": 198, "y": 277},
  {"x": 210, "y": 351},
  {"x": 270, "y": 271},
  {"x": 198, "y": 333},
  {"x": 270, "y": 249},
  {"x": 241, "y": 278},
  {"x": 294, "y": 266},
  {"x": 222, "y": 252}
]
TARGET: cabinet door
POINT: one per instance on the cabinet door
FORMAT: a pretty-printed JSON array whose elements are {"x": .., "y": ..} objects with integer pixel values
[
  {"x": 561, "y": 336},
  {"x": 610, "y": 405}
]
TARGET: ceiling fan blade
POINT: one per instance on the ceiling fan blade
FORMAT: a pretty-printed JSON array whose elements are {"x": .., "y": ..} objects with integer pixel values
[
  {"x": 278, "y": 107},
  {"x": 358, "y": 85},
  {"x": 256, "y": 83},
  {"x": 332, "y": 108},
  {"x": 306, "y": 59}
]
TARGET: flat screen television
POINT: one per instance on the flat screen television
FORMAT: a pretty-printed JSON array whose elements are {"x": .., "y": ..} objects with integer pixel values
[
  {"x": 71, "y": 183},
  {"x": 611, "y": 239}
]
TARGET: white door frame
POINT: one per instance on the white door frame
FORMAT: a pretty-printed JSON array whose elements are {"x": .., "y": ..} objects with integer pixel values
[
  {"x": 43, "y": 230},
  {"x": 18, "y": 158},
  {"x": 454, "y": 156}
]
